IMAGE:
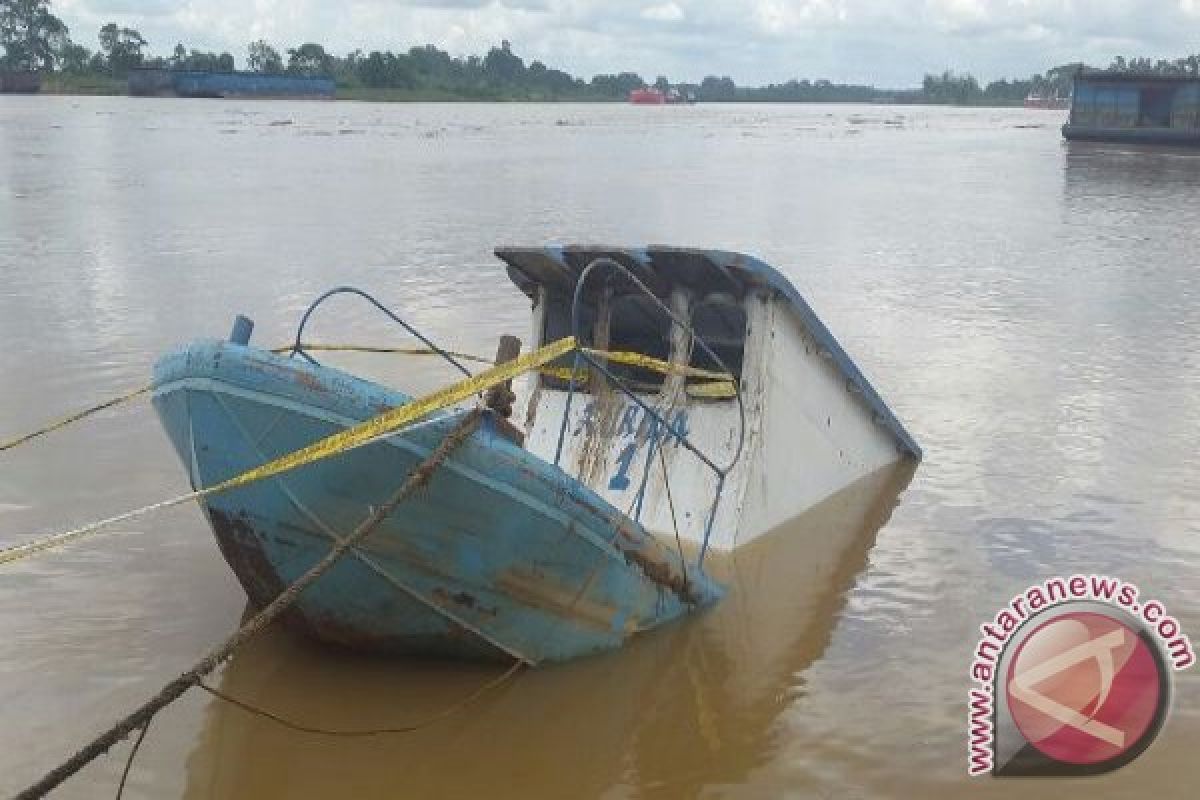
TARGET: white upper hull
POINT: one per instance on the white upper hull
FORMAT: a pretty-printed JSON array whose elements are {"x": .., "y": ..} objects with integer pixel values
[{"x": 809, "y": 433}]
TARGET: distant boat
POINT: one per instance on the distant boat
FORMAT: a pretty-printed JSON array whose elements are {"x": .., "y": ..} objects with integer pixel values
[
  {"x": 1131, "y": 107},
  {"x": 20, "y": 82},
  {"x": 648, "y": 97},
  {"x": 584, "y": 520},
  {"x": 157, "y": 82},
  {"x": 652, "y": 96}
]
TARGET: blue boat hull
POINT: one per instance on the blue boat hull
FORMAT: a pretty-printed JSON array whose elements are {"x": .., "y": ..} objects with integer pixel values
[{"x": 501, "y": 556}]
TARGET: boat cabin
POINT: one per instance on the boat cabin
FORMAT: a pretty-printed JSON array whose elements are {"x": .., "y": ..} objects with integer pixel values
[
  {"x": 746, "y": 413},
  {"x": 1132, "y": 107}
]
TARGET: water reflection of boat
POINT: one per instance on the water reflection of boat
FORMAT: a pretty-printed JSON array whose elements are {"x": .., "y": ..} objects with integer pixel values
[
  {"x": 1111, "y": 169},
  {"x": 710, "y": 406},
  {"x": 692, "y": 707}
]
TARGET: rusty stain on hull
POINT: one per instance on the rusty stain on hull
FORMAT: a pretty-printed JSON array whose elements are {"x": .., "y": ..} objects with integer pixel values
[
  {"x": 529, "y": 588},
  {"x": 241, "y": 546}
]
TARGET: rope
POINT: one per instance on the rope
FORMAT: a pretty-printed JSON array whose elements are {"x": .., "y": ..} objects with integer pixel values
[
  {"x": 129, "y": 760},
  {"x": 353, "y": 290},
  {"x": 140, "y": 717},
  {"x": 141, "y": 390},
  {"x": 78, "y": 415},
  {"x": 295, "y": 726},
  {"x": 361, "y": 348},
  {"x": 662, "y": 461},
  {"x": 357, "y": 436},
  {"x": 720, "y": 385},
  {"x": 351, "y": 438},
  {"x": 416, "y": 726}
]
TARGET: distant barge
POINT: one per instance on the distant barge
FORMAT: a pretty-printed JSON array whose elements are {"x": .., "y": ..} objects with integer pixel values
[
  {"x": 1125, "y": 107},
  {"x": 154, "y": 82}
]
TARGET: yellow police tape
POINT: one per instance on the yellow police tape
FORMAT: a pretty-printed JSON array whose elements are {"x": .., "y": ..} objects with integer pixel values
[
  {"x": 712, "y": 390},
  {"x": 616, "y": 356},
  {"x": 722, "y": 386},
  {"x": 716, "y": 385},
  {"x": 655, "y": 364},
  {"x": 707, "y": 390},
  {"x": 141, "y": 390},
  {"x": 362, "y": 434}
]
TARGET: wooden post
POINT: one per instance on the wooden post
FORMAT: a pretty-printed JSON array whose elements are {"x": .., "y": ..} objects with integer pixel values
[{"x": 500, "y": 398}]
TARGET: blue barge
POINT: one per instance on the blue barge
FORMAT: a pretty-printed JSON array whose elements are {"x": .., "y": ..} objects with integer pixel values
[
  {"x": 20, "y": 82},
  {"x": 154, "y": 82},
  {"x": 1136, "y": 108}
]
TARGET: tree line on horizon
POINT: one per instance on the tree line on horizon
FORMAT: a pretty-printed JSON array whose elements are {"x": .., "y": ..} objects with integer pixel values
[{"x": 33, "y": 38}]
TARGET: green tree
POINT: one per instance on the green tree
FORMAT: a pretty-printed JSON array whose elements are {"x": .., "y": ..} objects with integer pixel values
[
  {"x": 261, "y": 57},
  {"x": 31, "y": 36},
  {"x": 951, "y": 89},
  {"x": 617, "y": 86},
  {"x": 551, "y": 82},
  {"x": 380, "y": 70},
  {"x": 714, "y": 89},
  {"x": 73, "y": 58},
  {"x": 502, "y": 65},
  {"x": 308, "y": 59},
  {"x": 122, "y": 48}
]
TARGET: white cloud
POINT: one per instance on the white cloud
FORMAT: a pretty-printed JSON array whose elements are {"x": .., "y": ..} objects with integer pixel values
[
  {"x": 781, "y": 17},
  {"x": 667, "y": 12},
  {"x": 885, "y": 42}
]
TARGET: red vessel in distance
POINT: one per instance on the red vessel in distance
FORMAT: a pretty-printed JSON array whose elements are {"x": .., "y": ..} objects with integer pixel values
[
  {"x": 648, "y": 97},
  {"x": 653, "y": 96}
]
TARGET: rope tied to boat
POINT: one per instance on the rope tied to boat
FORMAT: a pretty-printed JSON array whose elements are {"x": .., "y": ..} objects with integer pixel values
[
  {"x": 442, "y": 714},
  {"x": 63, "y": 422},
  {"x": 365, "y": 433},
  {"x": 715, "y": 385},
  {"x": 141, "y": 717}
]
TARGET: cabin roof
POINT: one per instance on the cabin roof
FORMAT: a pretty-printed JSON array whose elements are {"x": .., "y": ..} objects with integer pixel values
[
  {"x": 558, "y": 268},
  {"x": 1104, "y": 76}
]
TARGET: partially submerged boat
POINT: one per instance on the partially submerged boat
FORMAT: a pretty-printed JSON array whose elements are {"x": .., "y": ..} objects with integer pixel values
[{"x": 703, "y": 406}]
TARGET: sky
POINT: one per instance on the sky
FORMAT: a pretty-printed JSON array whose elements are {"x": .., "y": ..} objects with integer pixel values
[{"x": 887, "y": 43}]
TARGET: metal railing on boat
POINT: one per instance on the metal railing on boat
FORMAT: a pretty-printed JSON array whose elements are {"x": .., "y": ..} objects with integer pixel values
[{"x": 588, "y": 355}]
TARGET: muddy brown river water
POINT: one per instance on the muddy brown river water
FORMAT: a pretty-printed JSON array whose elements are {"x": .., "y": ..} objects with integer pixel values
[{"x": 1031, "y": 311}]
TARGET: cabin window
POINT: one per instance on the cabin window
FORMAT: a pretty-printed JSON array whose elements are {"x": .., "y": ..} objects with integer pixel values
[
  {"x": 1185, "y": 113},
  {"x": 1107, "y": 106},
  {"x": 721, "y": 322},
  {"x": 1083, "y": 105},
  {"x": 637, "y": 325},
  {"x": 1154, "y": 103}
]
